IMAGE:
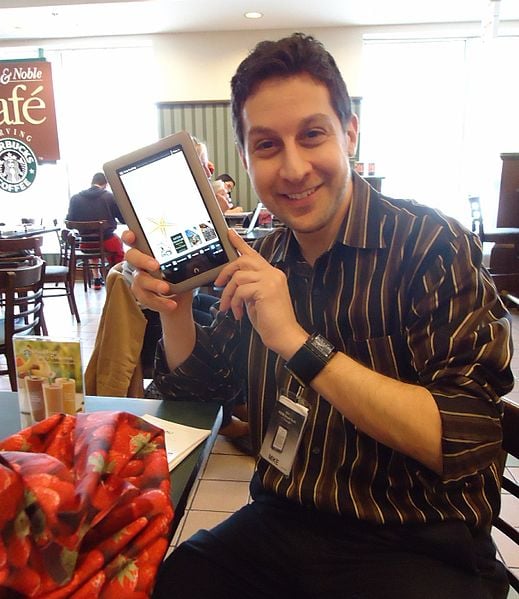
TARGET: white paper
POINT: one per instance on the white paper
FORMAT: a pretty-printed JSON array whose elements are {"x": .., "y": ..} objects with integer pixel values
[{"x": 180, "y": 439}]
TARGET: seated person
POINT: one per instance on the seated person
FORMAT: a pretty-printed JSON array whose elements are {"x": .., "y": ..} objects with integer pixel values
[
  {"x": 97, "y": 203},
  {"x": 228, "y": 181},
  {"x": 374, "y": 347}
]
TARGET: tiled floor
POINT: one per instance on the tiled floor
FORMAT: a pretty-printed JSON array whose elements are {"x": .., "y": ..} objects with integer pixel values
[{"x": 223, "y": 485}]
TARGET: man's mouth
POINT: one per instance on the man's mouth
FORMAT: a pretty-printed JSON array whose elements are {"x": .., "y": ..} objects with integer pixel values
[{"x": 302, "y": 195}]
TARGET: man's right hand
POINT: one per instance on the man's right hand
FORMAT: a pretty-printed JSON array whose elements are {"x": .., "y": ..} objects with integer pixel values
[{"x": 150, "y": 291}]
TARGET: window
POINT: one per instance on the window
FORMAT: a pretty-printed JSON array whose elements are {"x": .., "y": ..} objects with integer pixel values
[
  {"x": 105, "y": 107},
  {"x": 436, "y": 114}
]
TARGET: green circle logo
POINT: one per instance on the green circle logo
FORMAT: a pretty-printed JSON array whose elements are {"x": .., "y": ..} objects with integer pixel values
[{"x": 17, "y": 165}]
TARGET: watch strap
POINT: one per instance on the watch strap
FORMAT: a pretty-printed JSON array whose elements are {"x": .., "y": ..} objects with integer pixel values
[{"x": 310, "y": 359}]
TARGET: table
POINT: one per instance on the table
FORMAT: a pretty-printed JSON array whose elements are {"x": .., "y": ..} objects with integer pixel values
[
  {"x": 26, "y": 232},
  {"x": 206, "y": 415}
]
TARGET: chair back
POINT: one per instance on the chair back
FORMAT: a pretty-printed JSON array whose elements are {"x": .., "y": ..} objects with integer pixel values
[
  {"x": 90, "y": 245},
  {"x": 89, "y": 230},
  {"x": 68, "y": 244},
  {"x": 21, "y": 246},
  {"x": 505, "y": 521},
  {"x": 21, "y": 298}
]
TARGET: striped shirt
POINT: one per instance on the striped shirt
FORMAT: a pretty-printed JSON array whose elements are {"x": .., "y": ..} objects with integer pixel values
[{"x": 402, "y": 291}]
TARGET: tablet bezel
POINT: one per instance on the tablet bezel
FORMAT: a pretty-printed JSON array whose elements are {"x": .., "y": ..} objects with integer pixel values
[{"x": 184, "y": 140}]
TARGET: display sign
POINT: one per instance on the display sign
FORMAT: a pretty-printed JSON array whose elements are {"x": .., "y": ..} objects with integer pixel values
[{"x": 28, "y": 132}]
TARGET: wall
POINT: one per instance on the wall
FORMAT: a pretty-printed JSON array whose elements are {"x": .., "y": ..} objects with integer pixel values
[{"x": 199, "y": 66}]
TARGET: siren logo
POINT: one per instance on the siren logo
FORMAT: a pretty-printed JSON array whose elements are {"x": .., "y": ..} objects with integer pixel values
[{"x": 17, "y": 165}]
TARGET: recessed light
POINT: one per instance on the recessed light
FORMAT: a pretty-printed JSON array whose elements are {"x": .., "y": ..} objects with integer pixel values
[{"x": 253, "y": 15}]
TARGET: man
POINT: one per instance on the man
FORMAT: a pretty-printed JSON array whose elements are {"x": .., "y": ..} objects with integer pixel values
[
  {"x": 374, "y": 320},
  {"x": 97, "y": 203}
]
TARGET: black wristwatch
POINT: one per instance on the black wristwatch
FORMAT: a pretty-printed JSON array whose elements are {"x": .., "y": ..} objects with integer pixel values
[{"x": 310, "y": 359}]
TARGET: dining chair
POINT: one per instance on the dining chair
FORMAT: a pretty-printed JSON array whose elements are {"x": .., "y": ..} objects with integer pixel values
[
  {"x": 62, "y": 276},
  {"x": 506, "y": 522},
  {"x": 21, "y": 305},
  {"x": 504, "y": 256},
  {"x": 90, "y": 250},
  {"x": 21, "y": 246}
]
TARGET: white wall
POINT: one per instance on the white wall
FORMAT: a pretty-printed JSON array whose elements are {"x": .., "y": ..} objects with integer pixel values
[{"x": 199, "y": 66}]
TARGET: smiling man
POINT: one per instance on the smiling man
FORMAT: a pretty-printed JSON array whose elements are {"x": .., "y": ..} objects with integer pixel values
[{"x": 374, "y": 349}]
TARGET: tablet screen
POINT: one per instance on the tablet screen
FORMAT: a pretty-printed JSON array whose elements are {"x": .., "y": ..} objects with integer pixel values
[{"x": 166, "y": 200}]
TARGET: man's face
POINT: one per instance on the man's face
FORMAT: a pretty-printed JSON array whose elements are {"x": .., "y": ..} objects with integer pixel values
[{"x": 297, "y": 155}]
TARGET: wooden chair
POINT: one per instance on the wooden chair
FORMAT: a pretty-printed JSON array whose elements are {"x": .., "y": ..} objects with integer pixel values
[
  {"x": 504, "y": 257},
  {"x": 63, "y": 275},
  {"x": 511, "y": 447},
  {"x": 21, "y": 298},
  {"x": 21, "y": 246},
  {"x": 90, "y": 250}
]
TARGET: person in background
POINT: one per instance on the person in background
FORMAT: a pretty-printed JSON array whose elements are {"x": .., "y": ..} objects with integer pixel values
[
  {"x": 224, "y": 195},
  {"x": 375, "y": 349},
  {"x": 97, "y": 203},
  {"x": 229, "y": 182}
]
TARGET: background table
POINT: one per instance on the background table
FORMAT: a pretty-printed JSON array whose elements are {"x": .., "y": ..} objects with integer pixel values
[
  {"x": 26, "y": 232},
  {"x": 206, "y": 415}
]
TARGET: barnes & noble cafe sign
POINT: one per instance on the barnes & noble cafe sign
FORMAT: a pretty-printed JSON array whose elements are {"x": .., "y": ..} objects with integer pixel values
[{"x": 28, "y": 132}]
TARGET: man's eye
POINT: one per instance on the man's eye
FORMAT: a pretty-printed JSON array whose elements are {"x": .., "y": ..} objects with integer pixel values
[
  {"x": 314, "y": 133},
  {"x": 265, "y": 144}
]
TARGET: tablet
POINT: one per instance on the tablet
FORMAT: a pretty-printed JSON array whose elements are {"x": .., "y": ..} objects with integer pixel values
[{"x": 167, "y": 201}]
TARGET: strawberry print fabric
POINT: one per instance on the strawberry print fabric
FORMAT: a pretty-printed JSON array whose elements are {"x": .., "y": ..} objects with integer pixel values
[{"x": 85, "y": 509}]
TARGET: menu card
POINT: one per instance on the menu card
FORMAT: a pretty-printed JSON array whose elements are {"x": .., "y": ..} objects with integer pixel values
[{"x": 49, "y": 377}]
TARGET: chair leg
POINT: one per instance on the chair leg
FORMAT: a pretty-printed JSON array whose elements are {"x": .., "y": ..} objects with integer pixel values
[
  {"x": 43, "y": 325},
  {"x": 72, "y": 301},
  {"x": 86, "y": 273},
  {"x": 11, "y": 367}
]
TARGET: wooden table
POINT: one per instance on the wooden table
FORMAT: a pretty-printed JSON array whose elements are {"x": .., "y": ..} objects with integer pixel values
[
  {"x": 26, "y": 232},
  {"x": 206, "y": 415}
]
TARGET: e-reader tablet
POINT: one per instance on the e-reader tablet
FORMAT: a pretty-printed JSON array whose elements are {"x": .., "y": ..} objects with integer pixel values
[{"x": 167, "y": 201}]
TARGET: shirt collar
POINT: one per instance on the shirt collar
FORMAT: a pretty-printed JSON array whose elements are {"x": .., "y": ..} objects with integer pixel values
[{"x": 362, "y": 226}]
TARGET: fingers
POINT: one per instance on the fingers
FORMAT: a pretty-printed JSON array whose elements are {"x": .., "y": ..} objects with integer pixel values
[
  {"x": 140, "y": 260},
  {"x": 240, "y": 244},
  {"x": 128, "y": 237}
]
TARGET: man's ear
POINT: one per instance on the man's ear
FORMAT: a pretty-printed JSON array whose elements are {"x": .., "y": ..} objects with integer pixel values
[{"x": 352, "y": 135}]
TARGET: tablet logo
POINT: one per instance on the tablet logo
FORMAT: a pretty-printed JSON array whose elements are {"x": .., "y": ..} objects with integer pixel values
[{"x": 17, "y": 165}]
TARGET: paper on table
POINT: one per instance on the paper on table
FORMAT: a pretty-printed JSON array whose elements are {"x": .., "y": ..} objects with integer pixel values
[{"x": 180, "y": 439}]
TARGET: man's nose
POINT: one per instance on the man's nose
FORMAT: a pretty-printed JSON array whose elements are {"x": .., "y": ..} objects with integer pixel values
[{"x": 295, "y": 164}]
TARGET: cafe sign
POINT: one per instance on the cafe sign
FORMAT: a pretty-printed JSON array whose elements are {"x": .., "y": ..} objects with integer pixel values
[{"x": 28, "y": 132}]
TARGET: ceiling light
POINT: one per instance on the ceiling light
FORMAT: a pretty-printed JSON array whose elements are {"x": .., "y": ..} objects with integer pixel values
[{"x": 253, "y": 15}]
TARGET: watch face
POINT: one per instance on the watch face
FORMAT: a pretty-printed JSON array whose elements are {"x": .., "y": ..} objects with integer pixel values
[{"x": 322, "y": 345}]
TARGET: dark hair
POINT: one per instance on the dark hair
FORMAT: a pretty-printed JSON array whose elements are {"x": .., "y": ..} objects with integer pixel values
[
  {"x": 289, "y": 56},
  {"x": 225, "y": 177},
  {"x": 99, "y": 179}
]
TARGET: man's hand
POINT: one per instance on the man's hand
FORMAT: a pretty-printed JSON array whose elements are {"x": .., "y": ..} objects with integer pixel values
[
  {"x": 252, "y": 284},
  {"x": 150, "y": 291}
]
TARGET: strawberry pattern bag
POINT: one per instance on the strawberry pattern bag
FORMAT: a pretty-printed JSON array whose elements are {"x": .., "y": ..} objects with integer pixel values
[{"x": 85, "y": 509}]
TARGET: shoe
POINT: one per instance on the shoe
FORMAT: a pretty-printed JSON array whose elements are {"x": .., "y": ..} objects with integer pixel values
[{"x": 98, "y": 284}]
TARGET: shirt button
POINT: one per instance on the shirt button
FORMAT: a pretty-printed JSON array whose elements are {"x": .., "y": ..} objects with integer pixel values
[{"x": 316, "y": 450}]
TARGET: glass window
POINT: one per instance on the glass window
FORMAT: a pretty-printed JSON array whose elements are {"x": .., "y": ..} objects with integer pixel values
[{"x": 436, "y": 114}]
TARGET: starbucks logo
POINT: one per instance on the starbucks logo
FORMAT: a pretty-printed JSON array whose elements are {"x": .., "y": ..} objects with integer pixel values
[{"x": 17, "y": 165}]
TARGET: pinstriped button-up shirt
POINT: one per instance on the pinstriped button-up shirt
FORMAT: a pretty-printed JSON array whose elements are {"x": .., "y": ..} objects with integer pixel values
[{"x": 402, "y": 291}]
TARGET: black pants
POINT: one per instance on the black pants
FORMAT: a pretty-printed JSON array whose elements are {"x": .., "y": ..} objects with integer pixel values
[{"x": 271, "y": 550}]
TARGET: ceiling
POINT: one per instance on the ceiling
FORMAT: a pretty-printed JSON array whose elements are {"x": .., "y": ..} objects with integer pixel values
[{"x": 38, "y": 19}]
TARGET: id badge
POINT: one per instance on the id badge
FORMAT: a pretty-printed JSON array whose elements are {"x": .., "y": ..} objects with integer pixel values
[{"x": 284, "y": 433}]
